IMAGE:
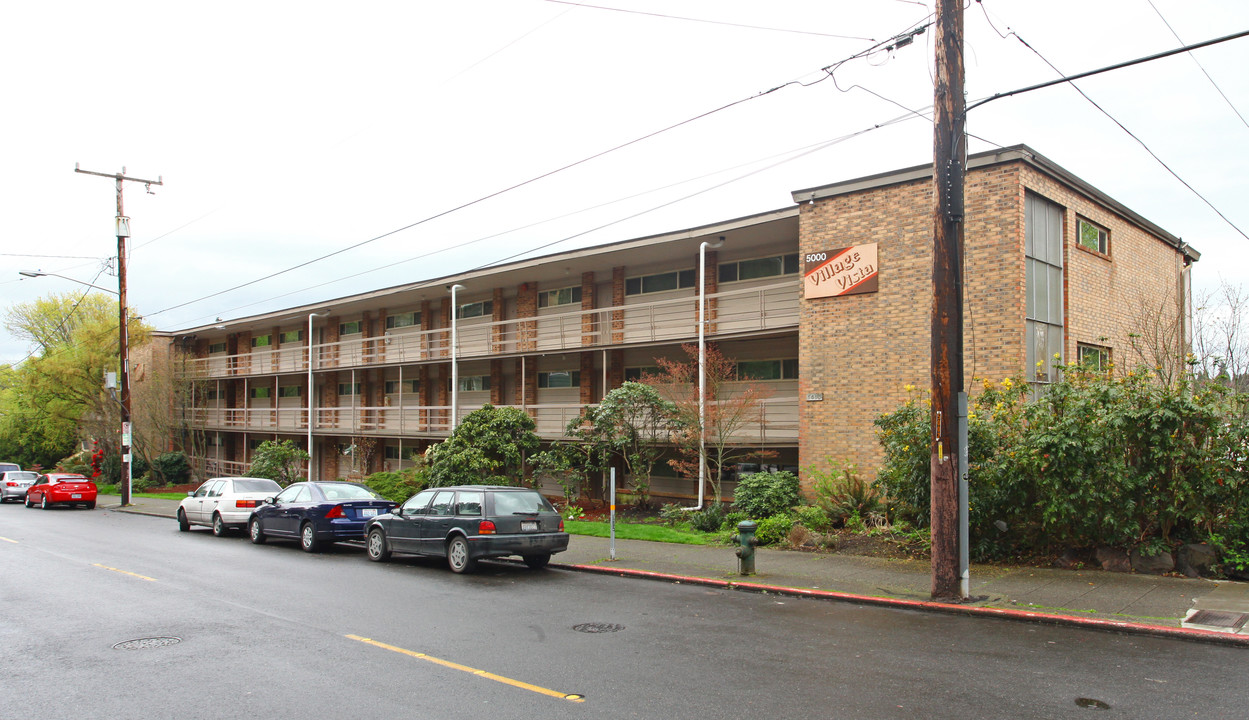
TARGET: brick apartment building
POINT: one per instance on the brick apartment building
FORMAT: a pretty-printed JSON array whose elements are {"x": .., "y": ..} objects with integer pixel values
[{"x": 827, "y": 303}]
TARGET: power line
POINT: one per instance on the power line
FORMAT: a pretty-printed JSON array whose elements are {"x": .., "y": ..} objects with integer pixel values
[
  {"x": 710, "y": 22},
  {"x": 1199, "y": 65}
]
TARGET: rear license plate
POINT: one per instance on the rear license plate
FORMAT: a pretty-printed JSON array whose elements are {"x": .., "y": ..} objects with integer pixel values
[
  {"x": 75, "y": 496},
  {"x": 368, "y": 512},
  {"x": 529, "y": 526}
]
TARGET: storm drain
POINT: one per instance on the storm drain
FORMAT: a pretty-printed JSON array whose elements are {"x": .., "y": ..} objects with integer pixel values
[
  {"x": 598, "y": 627},
  {"x": 146, "y": 643},
  {"x": 1218, "y": 619}
]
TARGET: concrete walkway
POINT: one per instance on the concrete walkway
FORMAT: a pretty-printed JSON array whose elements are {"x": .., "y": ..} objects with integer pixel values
[{"x": 1215, "y": 611}]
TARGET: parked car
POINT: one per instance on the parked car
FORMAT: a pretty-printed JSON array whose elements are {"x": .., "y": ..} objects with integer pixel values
[
  {"x": 468, "y": 523},
  {"x": 13, "y": 483},
  {"x": 225, "y": 504},
  {"x": 7, "y": 466},
  {"x": 317, "y": 513},
  {"x": 61, "y": 489}
]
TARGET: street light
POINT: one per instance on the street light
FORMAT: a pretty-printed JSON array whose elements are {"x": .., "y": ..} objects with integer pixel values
[
  {"x": 64, "y": 277},
  {"x": 455, "y": 368},
  {"x": 308, "y": 344},
  {"x": 702, "y": 364}
]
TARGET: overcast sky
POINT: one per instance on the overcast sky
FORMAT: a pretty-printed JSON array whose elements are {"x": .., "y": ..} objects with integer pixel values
[{"x": 288, "y": 131}]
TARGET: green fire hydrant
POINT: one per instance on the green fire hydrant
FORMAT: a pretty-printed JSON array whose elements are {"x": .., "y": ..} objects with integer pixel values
[{"x": 746, "y": 543}]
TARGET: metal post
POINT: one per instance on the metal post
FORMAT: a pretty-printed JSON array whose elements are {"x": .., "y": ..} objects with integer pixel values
[
  {"x": 311, "y": 391},
  {"x": 702, "y": 366},
  {"x": 455, "y": 366},
  {"x": 612, "y": 505}
]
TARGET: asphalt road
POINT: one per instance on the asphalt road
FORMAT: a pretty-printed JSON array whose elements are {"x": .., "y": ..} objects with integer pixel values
[{"x": 273, "y": 632}]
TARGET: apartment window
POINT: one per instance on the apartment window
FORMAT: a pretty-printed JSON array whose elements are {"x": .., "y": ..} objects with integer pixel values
[
  {"x": 262, "y": 341},
  {"x": 1043, "y": 257},
  {"x": 218, "y": 347},
  {"x": 291, "y": 336},
  {"x": 211, "y": 394},
  {"x": 402, "y": 320},
  {"x": 1093, "y": 236},
  {"x": 474, "y": 383},
  {"x": 1093, "y": 356},
  {"x": 785, "y": 369},
  {"x": 477, "y": 309},
  {"x": 258, "y": 392},
  {"x": 350, "y": 328},
  {"x": 660, "y": 282},
  {"x": 563, "y": 296},
  {"x": 407, "y": 386},
  {"x": 291, "y": 391},
  {"x": 392, "y": 452},
  {"x": 759, "y": 268},
  {"x": 559, "y": 379},
  {"x": 635, "y": 374},
  {"x": 348, "y": 389}
]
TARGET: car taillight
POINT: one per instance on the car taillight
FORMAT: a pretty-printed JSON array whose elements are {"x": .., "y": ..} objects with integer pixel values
[
  {"x": 561, "y": 524},
  {"x": 335, "y": 512},
  {"x": 486, "y": 528},
  {"x": 244, "y": 503},
  {"x": 11, "y": 484}
]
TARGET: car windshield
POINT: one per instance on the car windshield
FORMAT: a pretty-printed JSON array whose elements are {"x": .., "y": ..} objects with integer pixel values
[
  {"x": 256, "y": 485},
  {"x": 348, "y": 492},
  {"x": 527, "y": 502},
  {"x": 20, "y": 475}
]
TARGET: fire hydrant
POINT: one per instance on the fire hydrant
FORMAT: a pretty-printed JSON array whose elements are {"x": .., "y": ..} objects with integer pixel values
[{"x": 746, "y": 543}]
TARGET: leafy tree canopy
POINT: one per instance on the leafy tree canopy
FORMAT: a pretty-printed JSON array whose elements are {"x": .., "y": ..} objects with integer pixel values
[{"x": 489, "y": 447}]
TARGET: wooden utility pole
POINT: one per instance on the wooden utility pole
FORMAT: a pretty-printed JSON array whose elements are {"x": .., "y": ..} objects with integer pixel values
[
  {"x": 123, "y": 330},
  {"x": 949, "y": 159}
]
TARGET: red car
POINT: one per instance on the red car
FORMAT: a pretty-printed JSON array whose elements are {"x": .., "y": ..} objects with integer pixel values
[{"x": 61, "y": 489}]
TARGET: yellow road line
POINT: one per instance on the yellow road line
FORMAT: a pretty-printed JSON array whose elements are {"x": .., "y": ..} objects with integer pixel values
[
  {"x": 480, "y": 673},
  {"x": 124, "y": 572},
  {"x": 8, "y": 540}
]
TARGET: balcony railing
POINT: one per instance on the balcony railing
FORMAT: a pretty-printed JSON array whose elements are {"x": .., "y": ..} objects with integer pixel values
[
  {"x": 735, "y": 311},
  {"x": 777, "y": 420}
]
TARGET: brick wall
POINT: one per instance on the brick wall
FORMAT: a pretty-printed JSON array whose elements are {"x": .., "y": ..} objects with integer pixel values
[
  {"x": 497, "y": 337},
  {"x": 589, "y": 320},
  {"x": 527, "y": 307},
  {"x": 617, "y": 300},
  {"x": 587, "y": 379}
]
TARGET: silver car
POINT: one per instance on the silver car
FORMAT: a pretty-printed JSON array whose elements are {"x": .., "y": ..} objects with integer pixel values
[
  {"x": 224, "y": 504},
  {"x": 13, "y": 484}
]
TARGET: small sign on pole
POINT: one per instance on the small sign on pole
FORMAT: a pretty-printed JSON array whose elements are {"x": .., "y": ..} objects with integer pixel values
[{"x": 613, "y": 514}]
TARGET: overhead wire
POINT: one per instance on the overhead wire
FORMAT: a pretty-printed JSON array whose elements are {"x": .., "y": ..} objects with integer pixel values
[
  {"x": 709, "y": 22},
  {"x": 1199, "y": 65}
]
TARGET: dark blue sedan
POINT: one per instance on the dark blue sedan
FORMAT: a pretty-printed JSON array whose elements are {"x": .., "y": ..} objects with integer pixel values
[{"x": 317, "y": 513}]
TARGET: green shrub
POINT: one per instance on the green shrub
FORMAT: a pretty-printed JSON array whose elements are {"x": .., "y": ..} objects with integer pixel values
[
  {"x": 709, "y": 519},
  {"x": 764, "y": 494},
  {"x": 172, "y": 468},
  {"x": 672, "y": 514},
  {"x": 732, "y": 519},
  {"x": 840, "y": 493},
  {"x": 142, "y": 483},
  {"x": 398, "y": 486},
  {"x": 813, "y": 518},
  {"x": 774, "y": 529}
]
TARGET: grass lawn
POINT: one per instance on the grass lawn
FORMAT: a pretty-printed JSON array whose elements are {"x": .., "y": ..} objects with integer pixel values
[
  {"x": 627, "y": 531},
  {"x": 112, "y": 490}
]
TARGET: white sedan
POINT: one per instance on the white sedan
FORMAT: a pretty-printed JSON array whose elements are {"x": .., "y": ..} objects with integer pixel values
[{"x": 224, "y": 504}]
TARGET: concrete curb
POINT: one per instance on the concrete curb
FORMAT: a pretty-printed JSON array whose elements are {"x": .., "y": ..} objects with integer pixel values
[{"x": 1028, "y": 616}]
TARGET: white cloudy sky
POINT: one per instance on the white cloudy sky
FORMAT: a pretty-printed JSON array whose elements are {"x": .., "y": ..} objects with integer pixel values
[{"x": 285, "y": 131}]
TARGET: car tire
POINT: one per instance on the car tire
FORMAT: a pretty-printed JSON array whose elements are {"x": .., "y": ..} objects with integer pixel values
[
  {"x": 537, "y": 562},
  {"x": 458, "y": 557},
  {"x": 255, "y": 532},
  {"x": 43, "y": 503},
  {"x": 308, "y": 538},
  {"x": 29, "y": 504},
  {"x": 183, "y": 525},
  {"x": 219, "y": 526},
  {"x": 90, "y": 505},
  {"x": 378, "y": 550}
]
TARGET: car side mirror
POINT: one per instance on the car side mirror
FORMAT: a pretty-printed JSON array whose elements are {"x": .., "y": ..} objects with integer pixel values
[
  {"x": 191, "y": 494},
  {"x": 271, "y": 501}
]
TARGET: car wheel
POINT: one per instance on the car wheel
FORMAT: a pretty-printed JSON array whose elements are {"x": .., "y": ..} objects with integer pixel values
[
  {"x": 183, "y": 525},
  {"x": 90, "y": 505},
  {"x": 43, "y": 503},
  {"x": 219, "y": 525},
  {"x": 537, "y": 562},
  {"x": 458, "y": 557},
  {"x": 254, "y": 532},
  {"x": 29, "y": 504},
  {"x": 377, "y": 548},
  {"x": 308, "y": 538}
]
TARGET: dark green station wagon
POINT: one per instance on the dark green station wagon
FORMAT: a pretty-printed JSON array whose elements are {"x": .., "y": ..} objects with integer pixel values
[{"x": 468, "y": 523}]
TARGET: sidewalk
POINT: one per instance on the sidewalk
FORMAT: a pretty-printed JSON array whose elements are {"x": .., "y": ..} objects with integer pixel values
[{"x": 1216, "y": 611}]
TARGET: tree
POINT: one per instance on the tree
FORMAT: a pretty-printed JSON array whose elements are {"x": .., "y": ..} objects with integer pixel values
[
  {"x": 1221, "y": 335},
  {"x": 278, "y": 460},
  {"x": 489, "y": 447},
  {"x": 631, "y": 422},
  {"x": 733, "y": 404}
]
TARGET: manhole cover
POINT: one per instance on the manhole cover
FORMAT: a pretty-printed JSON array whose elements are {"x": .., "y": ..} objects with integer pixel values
[
  {"x": 598, "y": 627},
  {"x": 145, "y": 643},
  {"x": 1218, "y": 618}
]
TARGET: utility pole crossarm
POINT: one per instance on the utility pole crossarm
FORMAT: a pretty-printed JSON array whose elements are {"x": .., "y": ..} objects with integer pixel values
[{"x": 120, "y": 176}]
